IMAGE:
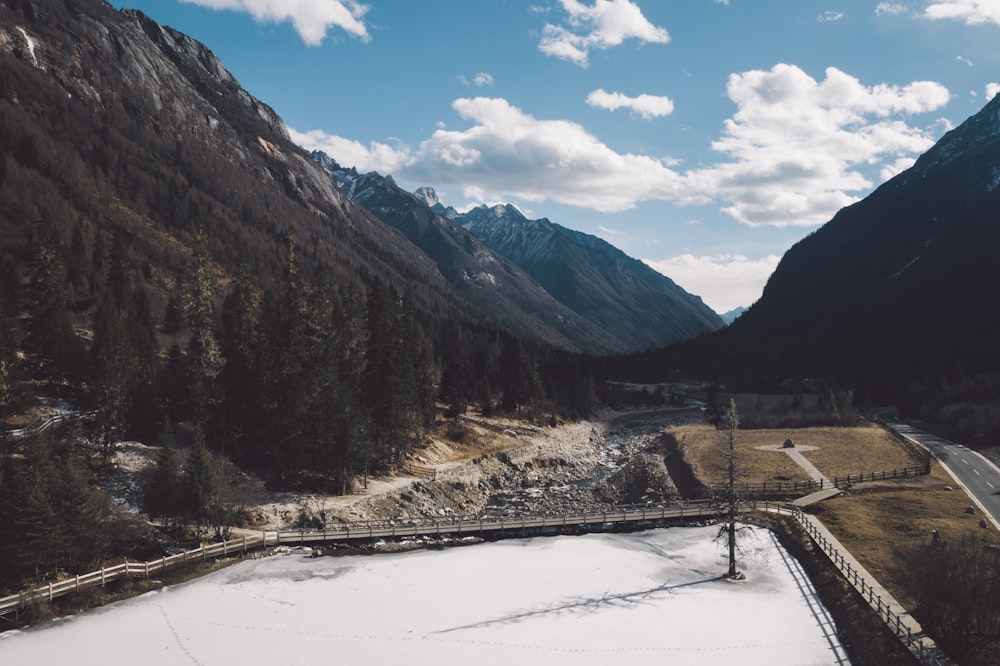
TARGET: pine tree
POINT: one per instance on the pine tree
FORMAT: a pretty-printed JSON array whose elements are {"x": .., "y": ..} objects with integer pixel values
[
  {"x": 239, "y": 425},
  {"x": 50, "y": 330},
  {"x": 162, "y": 491},
  {"x": 111, "y": 357},
  {"x": 204, "y": 356},
  {"x": 32, "y": 542},
  {"x": 199, "y": 482},
  {"x": 75, "y": 505}
]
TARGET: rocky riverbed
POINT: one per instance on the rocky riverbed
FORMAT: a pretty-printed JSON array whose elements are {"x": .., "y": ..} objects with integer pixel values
[{"x": 591, "y": 465}]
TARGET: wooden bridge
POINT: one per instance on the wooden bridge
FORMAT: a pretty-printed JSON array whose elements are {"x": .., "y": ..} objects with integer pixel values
[{"x": 490, "y": 528}]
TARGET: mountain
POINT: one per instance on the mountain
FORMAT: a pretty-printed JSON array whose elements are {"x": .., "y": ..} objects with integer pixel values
[
  {"x": 113, "y": 126},
  {"x": 896, "y": 288},
  {"x": 732, "y": 315},
  {"x": 642, "y": 308},
  {"x": 480, "y": 275}
]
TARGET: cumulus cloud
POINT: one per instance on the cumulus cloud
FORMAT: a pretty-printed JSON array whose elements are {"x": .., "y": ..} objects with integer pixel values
[
  {"x": 795, "y": 151},
  {"x": 971, "y": 12},
  {"x": 381, "y": 157},
  {"x": 645, "y": 106},
  {"x": 724, "y": 282},
  {"x": 991, "y": 90},
  {"x": 830, "y": 17},
  {"x": 312, "y": 19},
  {"x": 603, "y": 25},
  {"x": 509, "y": 153},
  {"x": 890, "y": 9},
  {"x": 795, "y": 145}
]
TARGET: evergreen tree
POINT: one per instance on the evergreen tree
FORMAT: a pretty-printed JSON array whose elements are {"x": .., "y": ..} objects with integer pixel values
[
  {"x": 75, "y": 504},
  {"x": 111, "y": 355},
  {"x": 518, "y": 376},
  {"x": 50, "y": 332},
  {"x": 162, "y": 491},
  {"x": 204, "y": 356},
  {"x": 28, "y": 520},
  {"x": 239, "y": 425},
  {"x": 353, "y": 424},
  {"x": 390, "y": 381},
  {"x": 199, "y": 482}
]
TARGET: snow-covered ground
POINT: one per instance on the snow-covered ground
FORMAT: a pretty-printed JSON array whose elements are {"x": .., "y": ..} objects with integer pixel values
[{"x": 652, "y": 597}]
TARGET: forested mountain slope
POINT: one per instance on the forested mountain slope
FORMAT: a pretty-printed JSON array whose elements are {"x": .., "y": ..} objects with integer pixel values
[{"x": 895, "y": 289}]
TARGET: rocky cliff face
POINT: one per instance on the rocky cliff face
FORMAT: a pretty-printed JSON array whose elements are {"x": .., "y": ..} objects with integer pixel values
[{"x": 121, "y": 126}]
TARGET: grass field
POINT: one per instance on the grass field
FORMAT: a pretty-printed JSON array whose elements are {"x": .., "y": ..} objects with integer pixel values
[
  {"x": 834, "y": 451},
  {"x": 876, "y": 521}
]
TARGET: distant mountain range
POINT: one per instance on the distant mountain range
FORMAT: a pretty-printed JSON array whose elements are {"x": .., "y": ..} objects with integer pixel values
[
  {"x": 604, "y": 301},
  {"x": 639, "y": 306}
]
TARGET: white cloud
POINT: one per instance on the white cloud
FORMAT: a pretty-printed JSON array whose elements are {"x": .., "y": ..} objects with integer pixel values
[
  {"x": 795, "y": 151},
  {"x": 796, "y": 145},
  {"x": 890, "y": 9},
  {"x": 312, "y": 19},
  {"x": 991, "y": 90},
  {"x": 971, "y": 12},
  {"x": 603, "y": 25},
  {"x": 508, "y": 153},
  {"x": 482, "y": 79},
  {"x": 645, "y": 106},
  {"x": 608, "y": 232},
  {"x": 964, "y": 60},
  {"x": 724, "y": 282},
  {"x": 830, "y": 17},
  {"x": 375, "y": 156}
]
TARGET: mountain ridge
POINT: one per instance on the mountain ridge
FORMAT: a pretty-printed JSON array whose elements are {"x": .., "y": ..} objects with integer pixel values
[{"x": 594, "y": 278}]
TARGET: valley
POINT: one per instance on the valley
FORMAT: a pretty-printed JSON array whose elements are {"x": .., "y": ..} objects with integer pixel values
[{"x": 215, "y": 324}]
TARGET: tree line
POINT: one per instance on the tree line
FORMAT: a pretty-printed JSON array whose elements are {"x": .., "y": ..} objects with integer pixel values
[{"x": 307, "y": 384}]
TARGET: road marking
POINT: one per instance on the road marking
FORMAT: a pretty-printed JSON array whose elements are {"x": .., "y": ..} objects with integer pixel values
[
  {"x": 976, "y": 471},
  {"x": 989, "y": 484},
  {"x": 965, "y": 461}
]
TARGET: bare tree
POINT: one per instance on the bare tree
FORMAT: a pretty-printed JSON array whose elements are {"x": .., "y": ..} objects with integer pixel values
[
  {"x": 958, "y": 591},
  {"x": 729, "y": 531}
]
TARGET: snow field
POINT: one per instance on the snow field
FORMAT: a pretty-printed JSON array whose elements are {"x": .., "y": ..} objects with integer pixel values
[{"x": 596, "y": 599}]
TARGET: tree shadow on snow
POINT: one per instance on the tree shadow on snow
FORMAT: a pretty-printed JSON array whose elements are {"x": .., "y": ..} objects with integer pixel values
[{"x": 585, "y": 605}]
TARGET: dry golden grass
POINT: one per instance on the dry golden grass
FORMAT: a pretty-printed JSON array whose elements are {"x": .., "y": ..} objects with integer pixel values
[
  {"x": 877, "y": 520},
  {"x": 707, "y": 451},
  {"x": 838, "y": 452}
]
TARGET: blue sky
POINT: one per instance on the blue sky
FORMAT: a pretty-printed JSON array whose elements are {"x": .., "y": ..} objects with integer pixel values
[{"x": 704, "y": 137}]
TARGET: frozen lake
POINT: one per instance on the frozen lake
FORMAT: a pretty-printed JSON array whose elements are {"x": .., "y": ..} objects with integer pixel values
[{"x": 651, "y": 597}]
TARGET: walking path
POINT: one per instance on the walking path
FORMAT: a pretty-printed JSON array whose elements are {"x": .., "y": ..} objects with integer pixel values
[
  {"x": 889, "y": 609},
  {"x": 795, "y": 453}
]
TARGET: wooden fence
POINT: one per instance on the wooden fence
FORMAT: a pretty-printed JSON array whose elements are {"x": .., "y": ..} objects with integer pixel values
[
  {"x": 354, "y": 532},
  {"x": 786, "y": 488},
  {"x": 921, "y": 647},
  {"x": 43, "y": 423}
]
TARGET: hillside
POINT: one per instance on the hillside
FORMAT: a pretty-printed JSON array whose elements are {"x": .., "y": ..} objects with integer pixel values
[
  {"x": 480, "y": 275},
  {"x": 894, "y": 290},
  {"x": 640, "y": 307}
]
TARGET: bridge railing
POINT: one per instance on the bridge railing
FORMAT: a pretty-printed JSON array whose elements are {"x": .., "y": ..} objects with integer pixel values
[{"x": 346, "y": 532}]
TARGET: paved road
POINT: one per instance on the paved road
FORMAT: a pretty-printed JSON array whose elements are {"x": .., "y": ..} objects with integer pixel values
[{"x": 979, "y": 476}]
